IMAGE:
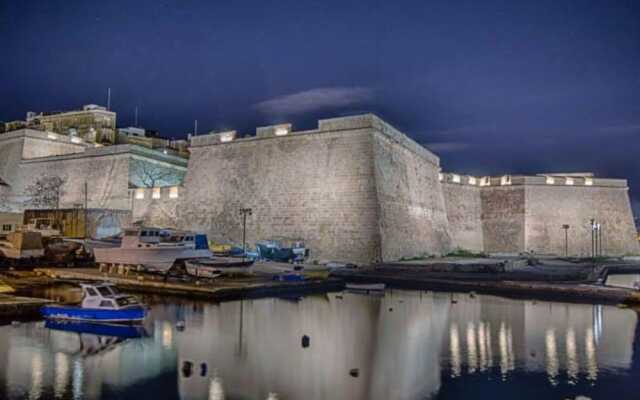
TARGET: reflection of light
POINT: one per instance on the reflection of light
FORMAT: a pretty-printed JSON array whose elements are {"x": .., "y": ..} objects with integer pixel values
[
  {"x": 572, "y": 356},
  {"x": 76, "y": 385},
  {"x": 511, "y": 356},
  {"x": 482, "y": 345},
  {"x": 551, "y": 355},
  {"x": 272, "y": 396},
  {"x": 472, "y": 354},
  {"x": 590, "y": 349},
  {"x": 36, "y": 376},
  {"x": 167, "y": 335},
  {"x": 216, "y": 390},
  {"x": 454, "y": 343},
  {"x": 597, "y": 323},
  {"x": 504, "y": 357},
  {"x": 487, "y": 336},
  {"x": 61, "y": 374}
]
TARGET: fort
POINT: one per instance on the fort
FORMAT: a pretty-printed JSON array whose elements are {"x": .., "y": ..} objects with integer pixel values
[{"x": 354, "y": 188}]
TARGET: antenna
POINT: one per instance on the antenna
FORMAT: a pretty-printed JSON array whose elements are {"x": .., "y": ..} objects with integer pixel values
[
  {"x": 136, "y": 119},
  {"x": 109, "y": 99},
  {"x": 195, "y": 128}
]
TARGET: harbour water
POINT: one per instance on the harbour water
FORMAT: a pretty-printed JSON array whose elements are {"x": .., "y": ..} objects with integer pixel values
[{"x": 401, "y": 345}]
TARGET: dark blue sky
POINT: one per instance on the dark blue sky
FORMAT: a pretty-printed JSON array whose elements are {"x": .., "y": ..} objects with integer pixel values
[{"x": 491, "y": 86}]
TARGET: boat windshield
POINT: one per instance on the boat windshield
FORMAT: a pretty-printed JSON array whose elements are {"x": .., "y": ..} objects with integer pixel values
[
  {"x": 125, "y": 301},
  {"x": 104, "y": 291}
]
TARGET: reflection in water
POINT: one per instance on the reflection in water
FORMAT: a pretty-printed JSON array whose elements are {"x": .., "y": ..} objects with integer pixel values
[{"x": 403, "y": 345}]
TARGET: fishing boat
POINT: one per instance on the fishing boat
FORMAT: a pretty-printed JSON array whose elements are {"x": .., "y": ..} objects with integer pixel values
[
  {"x": 154, "y": 249},
  {"x": 100, "y": 303},
  {"x": 213, "y": 268},
  {"x": 366, "y": 287}
]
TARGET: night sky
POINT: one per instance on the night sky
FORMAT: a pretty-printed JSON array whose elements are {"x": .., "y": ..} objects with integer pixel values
[{"x": 491, "y": 86}]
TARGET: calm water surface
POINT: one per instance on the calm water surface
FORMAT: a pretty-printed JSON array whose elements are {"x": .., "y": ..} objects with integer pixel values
[{"x": 403, "y": 345}]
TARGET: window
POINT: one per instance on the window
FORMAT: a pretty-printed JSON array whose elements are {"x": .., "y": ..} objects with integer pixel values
[
  {"x": 104, "y": 291},
  {"x": 91, "y": 292},
  {"x": 6, "y": 228},
  {"x": 106, "y": 303},
  {"x": 156, "y": 193}
]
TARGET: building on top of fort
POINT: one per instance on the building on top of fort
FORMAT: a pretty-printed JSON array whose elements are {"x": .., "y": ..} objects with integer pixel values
[{"x": 93, "y": 123}]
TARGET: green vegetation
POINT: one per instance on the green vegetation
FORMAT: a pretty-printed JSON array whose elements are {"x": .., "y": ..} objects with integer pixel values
[{"x": 459, "y": 252}]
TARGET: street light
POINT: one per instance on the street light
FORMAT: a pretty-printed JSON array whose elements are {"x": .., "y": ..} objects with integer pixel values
[
  {"x": 566, "y": 239},
  {"x": 244, "y": 212}
]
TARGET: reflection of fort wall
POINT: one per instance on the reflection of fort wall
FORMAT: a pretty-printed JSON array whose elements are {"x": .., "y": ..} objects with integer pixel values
[
  {"x": 256, "y": 348},
  {"x": 558, "y": 339}
]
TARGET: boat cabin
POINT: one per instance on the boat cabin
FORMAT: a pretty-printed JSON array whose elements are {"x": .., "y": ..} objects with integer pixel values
[
  {"x": 141, "y": 237},
  {"x": 106, "y": 296}
]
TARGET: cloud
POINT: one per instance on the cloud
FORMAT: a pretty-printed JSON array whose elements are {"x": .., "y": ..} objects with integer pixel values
[
  {"x": 447, "y": 147},
  {"x": 315, "y": 99}
]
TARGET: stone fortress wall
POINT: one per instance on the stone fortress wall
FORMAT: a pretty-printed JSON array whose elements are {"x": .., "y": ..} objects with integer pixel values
[
  {"x": 514, "y": 214},
  {"x": 354, "y": 189}
]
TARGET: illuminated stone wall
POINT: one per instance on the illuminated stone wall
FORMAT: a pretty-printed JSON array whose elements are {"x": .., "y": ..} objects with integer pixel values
[
  {"x": 354, "y": 189},
  {"x": 157, "y": 206},
  {"x": 464, "y": 210}
]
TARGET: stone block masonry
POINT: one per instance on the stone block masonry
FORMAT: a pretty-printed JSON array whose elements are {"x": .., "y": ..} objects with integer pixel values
[{"x": 354, "y": 189}]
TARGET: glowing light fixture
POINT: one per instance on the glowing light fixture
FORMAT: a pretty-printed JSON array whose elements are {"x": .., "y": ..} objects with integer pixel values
[
  {"x": 75, "y": 139},
  {"x": 588, "y": 181},
  {"x": 440, "y": 177},
  {"x": 505, "y": 180},
  {"x": 226, "y": 137},
  {"x": 455, "y": 178},
  {"x": 569, "y": 181},
  {"x": 281, "y": 131},
  {"x": 139, "y": 194},
  {"x": 52, "y": 136},
  {"x": 550, "y": 180},
  {"x": 485, "y": 181},
  {"x": 155, "y": 194},
  {"x": 173, "y": 192},
  {"x": 473, "y": 180}
]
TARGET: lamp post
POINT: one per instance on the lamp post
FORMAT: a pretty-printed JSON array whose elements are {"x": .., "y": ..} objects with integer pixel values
[
  {"x": 244, "y": 212},
  {"x": 566, "y": 239},
  {"x": 593, "y": 232}
]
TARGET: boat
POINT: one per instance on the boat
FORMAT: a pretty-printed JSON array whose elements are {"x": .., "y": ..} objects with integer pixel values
[
  {"x": 100, "y": 303},
  {"x": 21, "y": 245},
  {"x": 366, "y": 287},
  {"x": 154, "y": 249},
  {"x": 213, "y": 268},
  {"x": 284, "y": 250}
]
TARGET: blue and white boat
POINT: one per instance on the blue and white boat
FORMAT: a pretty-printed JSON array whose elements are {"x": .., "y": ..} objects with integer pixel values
[{"x": 100, "y": 303}]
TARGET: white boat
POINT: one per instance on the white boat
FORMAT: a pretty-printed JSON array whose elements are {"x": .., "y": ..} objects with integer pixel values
[
  {"x": 154, "y": 249},
  {"x": 212, "y": 268},
  {"x": 366, "y": 287}
]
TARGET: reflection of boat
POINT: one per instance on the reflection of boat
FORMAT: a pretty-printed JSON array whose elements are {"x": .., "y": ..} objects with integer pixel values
[
  {"x": 100, "y": 303},
  {"x": 154, "y": 249},
  {"x": 366, "y": 287},
  {"x": 111, "y": 330},
  {"x": 211, "y": 268}
]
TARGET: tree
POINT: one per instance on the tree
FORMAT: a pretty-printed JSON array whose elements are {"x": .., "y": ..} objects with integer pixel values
[
  {"x": 148, "y": 174},
  {"x": 46, "y": 192}
]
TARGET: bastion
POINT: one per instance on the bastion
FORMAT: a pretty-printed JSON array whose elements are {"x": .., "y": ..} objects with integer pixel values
[{"x": 354, "y": 189}]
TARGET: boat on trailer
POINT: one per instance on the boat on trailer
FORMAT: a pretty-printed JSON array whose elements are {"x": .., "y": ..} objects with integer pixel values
[
  {"x": 100, "y": 303},
  {"x": 154, "y": 249}
]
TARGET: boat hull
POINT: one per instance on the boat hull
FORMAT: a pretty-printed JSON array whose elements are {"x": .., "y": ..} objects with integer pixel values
[
  {"x": 212, "y": 268},
  {"x": 158, "y": 259},
  {"x": 132, "y": 314}
]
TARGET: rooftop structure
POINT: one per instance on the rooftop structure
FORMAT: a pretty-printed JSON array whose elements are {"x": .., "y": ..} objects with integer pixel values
[{"x": 92, "y": 123}]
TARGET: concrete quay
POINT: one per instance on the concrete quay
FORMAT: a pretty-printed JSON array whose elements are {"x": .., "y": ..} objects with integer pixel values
[
  {"x": 220, "y": 289},
  {"x": 558, "y": 280},
  {"x": 20, "y": 307}
]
